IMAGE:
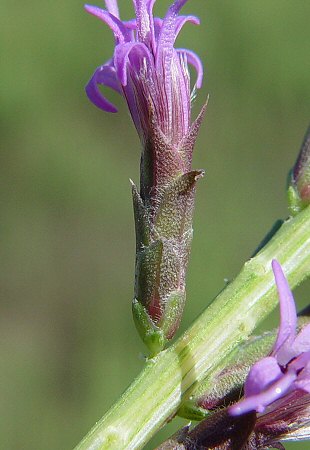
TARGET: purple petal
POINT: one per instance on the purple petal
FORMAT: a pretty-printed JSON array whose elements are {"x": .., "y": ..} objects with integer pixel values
[
  {"x": 180, "y": 98},
  {"x": 303, "y": 379},
  {"x": 112, "y": 7},
  {"x": 194, "y": 60},
  {"x": 106, "y": 76},
  {"x": 261, "y": 375},
  {"x": 119, "y": 30},
  {"x": 176, "y": 7},
  {"x": 300, "y": 362},
  {"x": 259, "y": 402},
  {"x": 182, "y": 20},
  {"x": 149, "y": 6},
  {"x": 179, "y": 23},
  {"x": 143, "y": 21},
  {"x": 294, "y": 404},
  {"x": 301, "y": 343},
  {"x": 168, "y": 30},
  {"x": 158, "y": 23},
  {"x": 165, "y": 51},
  {"x": 121, "y": 58},
  {"x": 130, "y": 24},
  {"x": 288, "y": 318}
]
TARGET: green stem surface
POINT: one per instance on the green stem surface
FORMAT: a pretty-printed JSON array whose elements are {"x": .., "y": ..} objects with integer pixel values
[{"x": 157, "y": 393}]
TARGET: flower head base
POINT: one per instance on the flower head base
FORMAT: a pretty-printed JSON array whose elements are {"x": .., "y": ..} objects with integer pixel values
[
  {"x": 287, "y": 369},
  {"x": 289, "y": 421},
  {"x": 147, "y": 70}
]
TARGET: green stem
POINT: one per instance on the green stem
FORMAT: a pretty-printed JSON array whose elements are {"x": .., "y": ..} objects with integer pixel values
[{"x": 157, "y": 393}]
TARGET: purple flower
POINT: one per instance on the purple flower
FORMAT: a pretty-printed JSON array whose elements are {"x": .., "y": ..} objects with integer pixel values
[
  {"x": 287, "y": 369},
  {"x": 148, "y": 71},
  {"x": 153, "y": 76}
]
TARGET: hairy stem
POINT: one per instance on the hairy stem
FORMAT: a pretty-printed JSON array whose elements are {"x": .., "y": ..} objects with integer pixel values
[{"x": 157, "y": 393}]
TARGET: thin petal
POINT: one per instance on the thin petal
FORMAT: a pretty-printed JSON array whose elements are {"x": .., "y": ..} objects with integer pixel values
[
  {"x": 149, "y": 6},
  {"x": 158, "y": 23},
  {"x": 112, "y": 7},
  {"x": 261, "y": 375},
  {"x": 182, "y": 20},
  {"x": 130, "y": 24},
  {"x": 194, "y": 60},
  {"x": 121, "y": 58},
  {"x": 288, "y": 318},
  {"x": 119, "y": 30},
  {"x": 180, "y": 97},
  {"x": 176, "y": 6},
  {"x": 104, "y": 75},
  {"x": 302, "y": 341},
  {"x": 143, "y": 21},
  {"x": 168, "y": 29},
  {"x": 300, "y": 362},
  {"x": 259, "y": 402},
  {"x": 179, "y": 23},
  {"x": 165, "y": 51},
  {"x": 303, "y": 380}
]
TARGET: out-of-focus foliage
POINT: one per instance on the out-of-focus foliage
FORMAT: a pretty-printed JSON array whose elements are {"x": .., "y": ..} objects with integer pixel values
[{"x": 68, "y": 346}]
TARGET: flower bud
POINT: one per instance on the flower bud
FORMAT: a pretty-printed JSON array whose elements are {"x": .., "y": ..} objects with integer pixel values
[{"x": 299, "y": 189}]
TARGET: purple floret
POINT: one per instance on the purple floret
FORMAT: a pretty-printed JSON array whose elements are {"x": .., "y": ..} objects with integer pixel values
[
  {"x": 287, "y": 369},
  {"x": 147, "y": 70}
]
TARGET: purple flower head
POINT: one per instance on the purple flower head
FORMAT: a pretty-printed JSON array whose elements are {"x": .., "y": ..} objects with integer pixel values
[
  {"x": 148, "y": 71},
  {"x": 154, "y": 78},
  {"x": 287, "y": 369}
]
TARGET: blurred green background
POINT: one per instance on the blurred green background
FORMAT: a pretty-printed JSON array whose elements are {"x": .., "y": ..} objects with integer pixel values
[{"x": 68, "y": 347}]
